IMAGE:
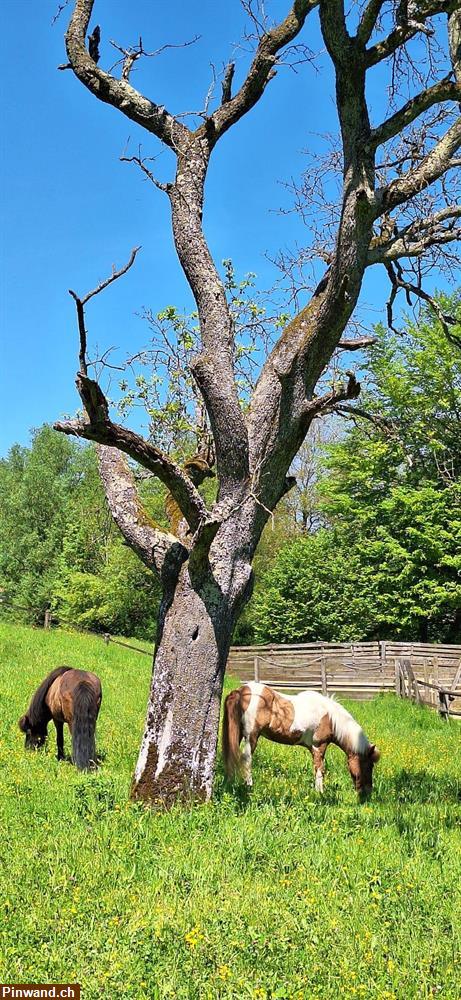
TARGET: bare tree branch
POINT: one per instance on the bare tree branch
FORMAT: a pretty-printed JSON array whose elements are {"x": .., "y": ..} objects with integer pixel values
[
  {"x": 119, "y": 93},
  {"x": 96, "y": 425},
  {"x": 406, "y": 29},
  {"x": 324, "y": 404},
  {"x": 113, "y": 277},
  {"x": 433, "y": 166},
  {"x": 61, "y": 7},
  {"x": 444, "y": 90},
  {"x": 418, "y": 236},
  {"x": 386, "y": 426},
  {"x": 141, "y": 163},
  {"x": 134, "y": 52},
  {"x": 80, "y": 303},
  {"x": 368, "y": 21},
  {"x": 398, "y": 281},
  {"x": 357, "y": 344},
  {"x": 263, "y": 69}
]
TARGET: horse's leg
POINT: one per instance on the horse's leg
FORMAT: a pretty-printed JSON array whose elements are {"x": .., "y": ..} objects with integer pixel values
[
  {"x": 249, "y": 747},
  {"x": 318, "y": 757},
  {"x": 59, "y": 738},
  {"x": 246, "y": 761}
]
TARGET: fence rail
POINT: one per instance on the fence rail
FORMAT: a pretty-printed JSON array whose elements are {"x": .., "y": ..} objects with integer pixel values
[
  {"x": 354, "y": 669},
  {"x": 439, "y": 697},
  {"x": 428, "y": 673},
  {"x": 49, "y": 620}
]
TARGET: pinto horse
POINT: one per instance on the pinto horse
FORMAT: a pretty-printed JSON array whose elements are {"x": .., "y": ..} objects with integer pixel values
[
  {"x": 66, "y": 695},
  {"x": 307, "y": 719}
]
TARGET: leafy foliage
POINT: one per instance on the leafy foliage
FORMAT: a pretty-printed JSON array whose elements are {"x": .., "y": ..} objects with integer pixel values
[
  {"x": 159, "y": 381},
  {"x": 370, "y": 546},
  {"x": 389, "y": 561},
  {"x": 34, "y": 489},
  {"x": 59, "y": 547}
]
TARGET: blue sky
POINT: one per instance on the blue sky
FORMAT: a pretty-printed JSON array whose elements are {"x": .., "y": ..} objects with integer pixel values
[{"x": 71, "y": 209}]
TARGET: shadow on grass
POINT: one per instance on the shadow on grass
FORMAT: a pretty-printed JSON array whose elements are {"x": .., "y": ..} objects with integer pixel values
[
  {"x": 420, "y": 786},
  {"x": 412, "y": 788},
  {"x": 280, "y": 793}
]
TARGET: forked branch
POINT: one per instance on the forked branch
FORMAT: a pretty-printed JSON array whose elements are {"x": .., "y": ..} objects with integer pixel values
[
  {"x": 80, "y": 304},
  {"x": 325, "y": 404},
  {"x": 119, "y": 93},
  {"x": 398, "y": 281},
  {"x": 96, "y": 425},
  {"x": 417, "y": 237},
  {"x": 411, "y": 20},
  {"x": 443, "y": 90},
  {"x": 262, "y": 69},
  {"x": 431, "y": 168}
]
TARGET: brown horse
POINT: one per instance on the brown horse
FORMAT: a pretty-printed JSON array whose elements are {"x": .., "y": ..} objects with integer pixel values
[
  {"x": 66, "y": 695},
  {"x": 307, "y": 719}
]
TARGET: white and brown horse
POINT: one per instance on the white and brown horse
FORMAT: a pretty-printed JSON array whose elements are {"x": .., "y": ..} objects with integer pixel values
[
  {"x": 66, "y": 695},
  {"x": 307, "y": 719}
]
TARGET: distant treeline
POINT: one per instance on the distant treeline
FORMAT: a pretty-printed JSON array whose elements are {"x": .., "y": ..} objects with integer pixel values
[
  {"x": 367, "y": 546},
  {"x": 59, "y": 547}
]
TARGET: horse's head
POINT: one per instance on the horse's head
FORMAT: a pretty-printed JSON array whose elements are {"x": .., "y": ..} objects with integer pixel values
[
  {"x": 361, "y": 770},
  {"x": 35, "y": 735}
]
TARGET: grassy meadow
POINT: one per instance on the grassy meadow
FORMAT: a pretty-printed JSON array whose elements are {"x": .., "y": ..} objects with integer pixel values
[{"x": 273, "y": 895}]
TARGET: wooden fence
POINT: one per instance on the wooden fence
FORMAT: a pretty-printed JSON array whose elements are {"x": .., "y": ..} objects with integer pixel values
[
  {"x": 446, "y": 699},
  {"x": 429, "y": 673}
]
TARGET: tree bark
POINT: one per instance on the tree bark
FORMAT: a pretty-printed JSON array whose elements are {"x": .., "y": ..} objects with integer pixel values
[{"x": 200, "y": 607}]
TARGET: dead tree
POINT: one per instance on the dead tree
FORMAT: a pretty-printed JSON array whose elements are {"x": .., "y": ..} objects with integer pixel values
[{"x": 205, "y": 568}]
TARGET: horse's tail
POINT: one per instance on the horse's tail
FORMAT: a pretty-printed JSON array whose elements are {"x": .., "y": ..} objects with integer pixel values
[
  {"x": 85, "y": 713},
  {"x": 231, "y": 733}
]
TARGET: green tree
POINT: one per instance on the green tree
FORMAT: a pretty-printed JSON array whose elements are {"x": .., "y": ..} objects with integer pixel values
[
  {"x": 34, "y": 488},
  {"x": 389, "y": 563},
  {"x": 59, "y": 546}
]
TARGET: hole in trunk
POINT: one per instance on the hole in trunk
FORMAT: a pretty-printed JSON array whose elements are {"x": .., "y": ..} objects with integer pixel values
[{"x": 195, "y": 633}]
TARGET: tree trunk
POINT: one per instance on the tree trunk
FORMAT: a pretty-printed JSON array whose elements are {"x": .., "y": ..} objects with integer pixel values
[
  {"x": 178, "y": 751},
  {"x": 423, "y": 629},
  {"x": 454, "y": 631}
]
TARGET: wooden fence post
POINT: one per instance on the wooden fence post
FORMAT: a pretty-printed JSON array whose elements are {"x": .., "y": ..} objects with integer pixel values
[
  {"x": 107, "y": 638},
  {"x": 256, "y": 668},
  {"x": 457, "y": 678},
  {"x": 444, "y": 707},
  {"x": 413, "y": 683},
  {"x": 323, "y": 671},
  {"x": 398, "y": 678},
  {"x": 435, "y": 679},
  {"x": 47, "y": 622}
]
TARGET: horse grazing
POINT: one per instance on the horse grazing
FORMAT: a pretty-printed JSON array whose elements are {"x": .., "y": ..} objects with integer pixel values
[
  {"x": 307, "y": 719},
  {"x": 66, "y": 695}
]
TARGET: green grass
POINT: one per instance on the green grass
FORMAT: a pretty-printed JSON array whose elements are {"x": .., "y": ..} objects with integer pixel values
[{"x": 276, "y": 895}]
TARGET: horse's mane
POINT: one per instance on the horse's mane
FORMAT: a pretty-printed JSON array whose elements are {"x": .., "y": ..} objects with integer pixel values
[
  {"x": 35, "y": 711},
  {"x": 346, "y": 729}
]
